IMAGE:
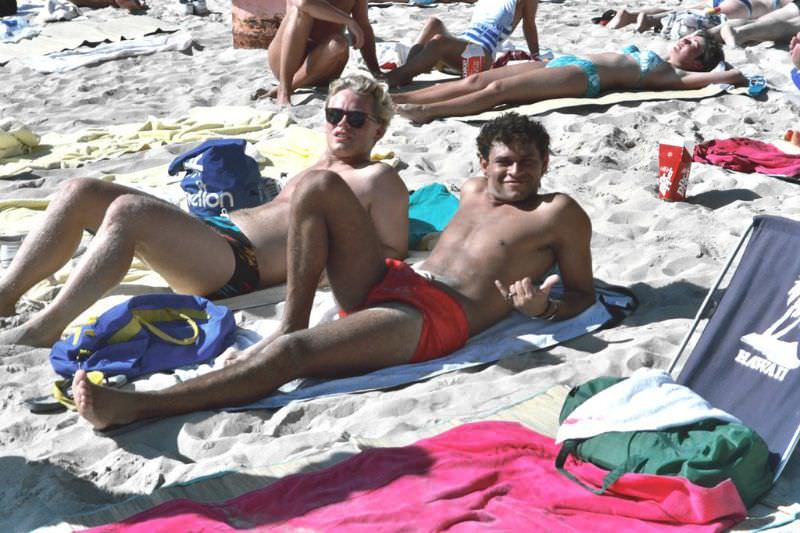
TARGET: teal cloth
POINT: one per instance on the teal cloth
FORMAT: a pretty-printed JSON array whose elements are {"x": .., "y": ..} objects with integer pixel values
[{"x": 429, "y": 209}]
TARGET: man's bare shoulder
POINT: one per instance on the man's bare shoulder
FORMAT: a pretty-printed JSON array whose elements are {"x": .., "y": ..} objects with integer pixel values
[
  {"x": 377, "y": 180},
  {"x": 564, "y": 213},
  {"x": 473, "y": 186}
]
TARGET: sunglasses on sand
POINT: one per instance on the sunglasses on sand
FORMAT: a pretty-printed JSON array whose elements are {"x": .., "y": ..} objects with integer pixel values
[{"x": 355, "y": 119}]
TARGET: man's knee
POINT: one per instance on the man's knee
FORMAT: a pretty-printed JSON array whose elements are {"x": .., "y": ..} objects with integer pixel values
[
  {"x": 338, "y": 47},
  {"x": 319, "y": 182},
  {"x": 126, "y": 210},
  {"x": 434, "y": 25},
  {"x": 83, "y": 189}
]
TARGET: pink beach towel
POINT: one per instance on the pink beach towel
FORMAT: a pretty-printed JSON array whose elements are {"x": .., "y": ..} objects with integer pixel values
[
  {"x": 485, "y": 476},
  {"x": 748, "y": 155}
]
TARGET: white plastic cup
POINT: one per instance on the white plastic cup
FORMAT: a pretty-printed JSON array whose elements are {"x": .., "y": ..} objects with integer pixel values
[{"x": 9, "y": 245}]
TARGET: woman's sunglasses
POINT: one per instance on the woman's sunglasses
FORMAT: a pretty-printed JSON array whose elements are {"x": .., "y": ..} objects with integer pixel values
[{"x": 355, "y": 119}]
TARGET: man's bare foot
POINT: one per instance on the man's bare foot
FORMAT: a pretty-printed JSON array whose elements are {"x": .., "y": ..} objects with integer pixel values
[
  {"x": 236, "y": 356},
  {"x": 27, "y": 335},
  {"x": 103, "y": 406},
  {"x": 264, "y": 93},
  {"x": 622, "y": 19},
  {"x": 729, "y": 35},
  {"x": 413, "y": 112}
]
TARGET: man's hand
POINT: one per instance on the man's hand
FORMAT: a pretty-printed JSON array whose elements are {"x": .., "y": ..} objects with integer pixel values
[
  {"x": 530, "y": 300},
  {"x": 357, "y": 33}
]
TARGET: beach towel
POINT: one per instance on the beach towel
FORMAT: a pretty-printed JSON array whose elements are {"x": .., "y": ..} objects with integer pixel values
[
  {"x": 60, "y": 62},
  {"x": 606, "y": 99},
  {"x": 72, "y": 34},
  {"x": 649, "y": 400},
  {"x": 748, "y": 155},
  {"x": 514, "y": 335},
  {"x": 496, "y": 475}
]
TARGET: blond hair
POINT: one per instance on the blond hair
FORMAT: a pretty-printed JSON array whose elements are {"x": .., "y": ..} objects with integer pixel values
[{"x": 366, "y": 85}]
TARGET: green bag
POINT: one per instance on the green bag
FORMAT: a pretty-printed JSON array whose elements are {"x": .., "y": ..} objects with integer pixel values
[{"x": 706, "y": 452}]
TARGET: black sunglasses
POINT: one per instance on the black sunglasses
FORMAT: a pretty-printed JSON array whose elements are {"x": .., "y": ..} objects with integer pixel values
[{"x": 355, "y": 119}]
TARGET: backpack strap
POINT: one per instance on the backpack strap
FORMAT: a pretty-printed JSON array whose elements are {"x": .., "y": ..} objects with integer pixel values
[{"x": 570, "y": 447}]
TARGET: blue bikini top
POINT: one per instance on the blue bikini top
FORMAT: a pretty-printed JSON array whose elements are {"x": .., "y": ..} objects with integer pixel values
[{"x": 647, "y": 60}]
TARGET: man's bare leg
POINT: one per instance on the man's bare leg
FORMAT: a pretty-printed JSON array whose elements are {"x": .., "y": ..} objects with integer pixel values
[
  {"x": 777, "y": 26},
  {"x": 368, "y": 340},
  {"x": 531, "y": 86},
  {"x": 470, "y": 84},
  {"x": 623, "y": 17},
  {"x": 433, "y": 27},
  {"x": 172, "y": 242},
  {"x": 79, "y": 204},
  {"x": 328, "y": 227},
  {"x": 440, "y": 48},
  {"x": 328, "y": 224}
]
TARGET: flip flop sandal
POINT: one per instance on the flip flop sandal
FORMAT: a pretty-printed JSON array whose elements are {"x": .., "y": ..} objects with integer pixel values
[
  {"x": 796, "y": 77},
  {"x": 605, "y": 18}
]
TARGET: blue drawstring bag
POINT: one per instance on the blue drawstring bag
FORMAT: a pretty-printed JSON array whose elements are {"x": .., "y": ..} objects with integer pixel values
[
  {"x": 146, "y": 334},
  {"x": 220, "y": 176}
]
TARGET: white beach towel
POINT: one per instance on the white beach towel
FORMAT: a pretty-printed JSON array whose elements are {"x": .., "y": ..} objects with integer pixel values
[
  {"x": 71, "y": 59},
  {"x": 649, "y": 400},
  {"x": 72, "y": 34}
]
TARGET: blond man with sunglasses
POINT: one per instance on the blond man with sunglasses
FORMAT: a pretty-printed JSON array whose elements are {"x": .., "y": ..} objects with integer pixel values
[{"x": 192, "y": 255}]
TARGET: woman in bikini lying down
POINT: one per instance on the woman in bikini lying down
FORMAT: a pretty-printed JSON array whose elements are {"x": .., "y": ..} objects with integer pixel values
[{"x": 687, "y": 67}]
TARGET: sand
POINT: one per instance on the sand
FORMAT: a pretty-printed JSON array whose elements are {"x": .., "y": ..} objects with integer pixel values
[{"x": 52, "y": 467}]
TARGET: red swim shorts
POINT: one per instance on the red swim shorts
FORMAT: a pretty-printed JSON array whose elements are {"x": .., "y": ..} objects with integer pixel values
[{"x": 444, "y": 324}]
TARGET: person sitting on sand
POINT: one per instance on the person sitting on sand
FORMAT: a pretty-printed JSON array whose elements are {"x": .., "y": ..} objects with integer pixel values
[
  {"x": 217, "y": 257},
  {"x": 648, "y": 17},
  {"x": 492, "y": 22},
  {"x": 310, "y": 47},
  {"x": 572, "y": 76},
  {"x": 490, "y": 259},
  {"x": 793, "y": 135},
  {"x": 779, "y": 26},
  {"x": 130, "y": 5}
]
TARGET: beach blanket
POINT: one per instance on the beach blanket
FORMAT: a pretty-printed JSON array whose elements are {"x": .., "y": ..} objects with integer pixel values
[
  {"x": 748, "y": 155},
  {"x": 72, "y": 34},
  {"x": 554, "y": 104},
  {"x": 486, "y": 473},
  {"x": 514, "y": 335},
  {"x": 67, "y": 60},
  {"x": 284, "y": 146}
]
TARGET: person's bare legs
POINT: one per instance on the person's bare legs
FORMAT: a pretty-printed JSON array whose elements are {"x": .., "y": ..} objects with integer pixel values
[
  {"x": 294, "y": 65},
  {"x": 440, "y": 48},
  {"x": 79, "y": 204},
  {"x": 433, "y": 27},
  {"x": 328, "y": 226},
  {"x": 470, "y": 84},
  {"x": 525, "y": 88},
  {"x": 623, "y": 18},
  {"x": 172, "y": 242},
  {"x": 778, "y": 26}
]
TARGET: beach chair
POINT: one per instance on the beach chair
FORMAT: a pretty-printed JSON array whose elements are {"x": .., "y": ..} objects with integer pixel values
[{"x": 746, "y": 359}]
